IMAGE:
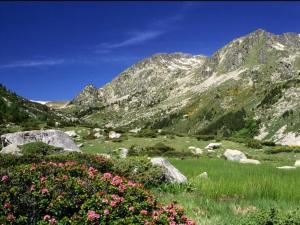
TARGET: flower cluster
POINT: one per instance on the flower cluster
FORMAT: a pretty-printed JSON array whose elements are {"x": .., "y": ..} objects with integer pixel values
[{"x": 74, "y": 193}]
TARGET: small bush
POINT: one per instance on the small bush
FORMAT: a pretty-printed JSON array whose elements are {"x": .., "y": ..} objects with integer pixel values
[
  {"x": 205, "y": 137},
  {"x": 39, "y": 149},
  {"x": 268, "y": 143},
  {"x": 148, "y": 133},
  {"x": 282, "y": 149},
  {"x": 254, "y": 144},
  {"x": 71, "y": 193}
]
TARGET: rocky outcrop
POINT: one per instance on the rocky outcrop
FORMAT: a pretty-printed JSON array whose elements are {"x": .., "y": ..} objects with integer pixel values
[
  {"x": 113, "y": 135},
  {"x": 172, "y": 174},
  {"x": 51, "y": 137},
  {"x": 11, "y": 149},
  {"x": 234, "y": 155}
]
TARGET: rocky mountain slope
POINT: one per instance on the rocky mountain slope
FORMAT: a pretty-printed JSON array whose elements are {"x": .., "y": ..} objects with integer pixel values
[{"x": 250, "y": 87}]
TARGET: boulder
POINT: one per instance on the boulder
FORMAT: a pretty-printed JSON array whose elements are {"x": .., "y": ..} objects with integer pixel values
[
  {"x": 98, "y": 135},
  {"x": 286, "y": 167},
  {"x": 123, "y": 152},
  {"x": 96, "y": 129},
  {"x": 203, "y": 175},
  {"x": 71, "y": 133},
  {"x": 136, "y": 130},
  {"x": 11, "y": 149},
  {"x": 297, "y": 163},
  {"x": 234, "y": 155},
  {"x": 80, "y": 145},
  {"x": 250, "y": 161},
  {"x": 196, "y": 151},
  {"x": 172, "y": 174},
  {"x": 113, "y": 135},
  {"x": 51, "y": 137},
  {"x": 213, "y": 145}
]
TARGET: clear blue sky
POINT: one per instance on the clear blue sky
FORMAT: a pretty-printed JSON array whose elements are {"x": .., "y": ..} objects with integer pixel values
[{"x": 51, "y": 50}]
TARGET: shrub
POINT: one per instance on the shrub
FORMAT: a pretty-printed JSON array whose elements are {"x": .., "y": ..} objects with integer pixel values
[
  {"x": 254, "y": 144},
  {"x": 282, "y": 149},
  {"x": 72, "y": 193},
  {"x": 205, "y": 137},
  {"x": 39, "y": 149},
  {"x": 268, "y": 143},
  {"x": 147, "y": 133}
]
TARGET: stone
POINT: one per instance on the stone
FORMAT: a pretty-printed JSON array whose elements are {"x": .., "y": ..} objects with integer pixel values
[
  {"x": 211, "y": 151},
  {"x": 98, "y": 135},
  {"x": 51, "y": 137},
  {"x": 159, "y": 131},
  {"x": 114, "y": 135},
  {"x": 196, "y": 151},
  {"x": 136, "y": 130},
  {"x": 11, "y": 149},
  {"x": 234, "y": 155},
  {"x": 80, "y": 145},
  {"x": 71, "y": 133},
  {"x": 250, "y": 161},
  {"x": 213, "y": 145},
  {"x": 123, "y": 152},
  {"x": 172, "y": 174},
  {"x": 203, "y": 175},
  {"x": 297, "y": 163},
  {"x": 286, "y": 167},
  {"x": 96, "y": 129}
]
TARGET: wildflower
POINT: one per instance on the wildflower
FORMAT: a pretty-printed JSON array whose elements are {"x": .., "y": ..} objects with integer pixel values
[
  {"x": 106, "y": 212},
  {"x": 10, "y": 217},
  {"x": 46, "y": 217},
  {"x": 105, "y": 200},
  {"x": 143, "y": 212},
  {"x": 45, "y": 191},
  {"x": 92, "y": 215},
  {"x": 131, "y": 208},
  {"x": 106, "y": 176},
  {"x": 43, "y": 179},
  {"x": 4, "y": 178},
  {"x": 113, "y": 203},
  {"x": 52, "y": 221},
  {"x": 7, "y": 205},
  {"x": 116, "y": 181},
  {"x": 32, "y": 187}
]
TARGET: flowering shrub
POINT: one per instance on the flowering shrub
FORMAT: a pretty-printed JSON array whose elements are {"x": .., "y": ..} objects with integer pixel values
[{"x": 74, "y": 193}]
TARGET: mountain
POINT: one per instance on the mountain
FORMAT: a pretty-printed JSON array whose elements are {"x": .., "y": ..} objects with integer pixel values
[
  {"x": 250, "y": 87},
  {"x": 18, "y": 110}
]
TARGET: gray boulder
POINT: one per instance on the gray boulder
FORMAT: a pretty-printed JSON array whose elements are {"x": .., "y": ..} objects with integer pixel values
[
  {"x": 213, "y": 145},
  {"x": 51, "y": 137},
  {"x": 172, "y": 174},
  {"x": 113, "y": 135},
  {"x": 11, "y": 149},
  {"x": 234, "y": 155}
]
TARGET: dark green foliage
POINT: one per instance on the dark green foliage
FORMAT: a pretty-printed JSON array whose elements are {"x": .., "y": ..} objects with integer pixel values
[
  {"x": 39, "y": 149},
  {"x": 147, "y": 133},
  {"x": 254, "y": 144},
  {"x": 205, "y": 137},
  {"x": 282, "y": 149},
  {"x": 270, "y": 217},
  {"x": 268, "y": 143}
]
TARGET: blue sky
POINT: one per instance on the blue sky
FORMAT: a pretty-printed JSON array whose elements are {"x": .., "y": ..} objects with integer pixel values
[{"x": 50, "y": 51}]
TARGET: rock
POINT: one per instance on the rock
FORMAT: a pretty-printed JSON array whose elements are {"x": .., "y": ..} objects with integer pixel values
[
  {"x": 136, "y": 130},
  {"x": 196, "y": 151},
  {"x": 71, "y": 133},
  {"x": 213, "y": 145},
  {"x": 250, "y": 161},
  {"x": 123, "y": 152},
  {"x": 98, "y": 135},
  {"x": 286, "y": 167},
  {"x": 203, "y": 175},
  {"x": 96, "y": 129},
  {"x": 57, "y": 124},
  {"x": 211, "y": 151},
  {"x": 80, "y": 145},
  {"x": 159, "y": 131},
  {"x": 172, "y": 174},
  {"x": 11, "y": 149},
  {"x": 297, "y": 163},
  {"x": 51, "y": 137},
  {"x": 113, "y": 135},
  {"x": 234, "y": 155}
]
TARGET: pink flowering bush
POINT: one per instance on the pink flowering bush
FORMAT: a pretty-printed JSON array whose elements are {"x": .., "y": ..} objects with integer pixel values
[{"x": 69, "y": 192}]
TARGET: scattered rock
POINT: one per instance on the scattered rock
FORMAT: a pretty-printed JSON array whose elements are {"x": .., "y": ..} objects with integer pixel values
[
  {"x": 213, "y": 145},
  {"x": 250, "y": 161},
  {"x": 98, "y": 135},
  {"x": 57, "y": 124},
  {"x": 136, "y": 130},
  {"x": 196, "y": 151},
  {"x": 297, "y": 163},
  {"x": 51, "y": 137},
  {"x": 159, "y": 131},
  {"x": 80, "y": 145},
  {"x": 113, "y": 135},
  {"x": 96, "y": 129},
  {"x": 234, "y": 155},
  {"x": 123, "y": 152},
  {"x": 203, "y": 175},
  {"x": 71, "y": 133},
  {"x": 172, "y": 174},
  {"x": 286, "y": 167},
  {"x": 11, "y": 149}
]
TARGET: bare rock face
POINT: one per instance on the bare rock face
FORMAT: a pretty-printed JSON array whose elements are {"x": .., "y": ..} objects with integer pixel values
[
  {"x": 234, "y": 155},
  {"x": 172, "y": 174},
  {"x": 51, "y": 137},
  {"x": 11, "y": 149}
]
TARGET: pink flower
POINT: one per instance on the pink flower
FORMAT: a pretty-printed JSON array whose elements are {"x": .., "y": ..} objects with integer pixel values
[
  {"x": 52, "y": 221},
  {"x": 10, "y": 217},
  {"x": 132, "y": 184},
  {"x": 131, "y": 209},
  {"x": 105, "y": 200},
  {"x": 113, "y": 203},
  {"x": 143, "y": 212},
  {"x": 45, "y": 191},
  {"x": 32, "y": 187},
  {"x": 92, "y": 215},
  {"x": 46, "y": 217},
  {"x": 7, "y": 205},
  {"x": 43, "y": 179},
  {"x": 4, "y": 178},
  {"x": 116, "y": 181},
  {"x": 106, "y": 176},
  {"x": 122, "y": 188},
  {"x": 106, "y": 212}
]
